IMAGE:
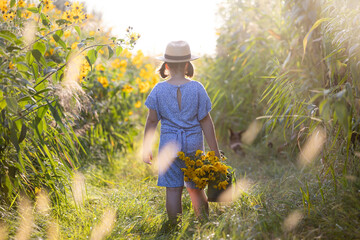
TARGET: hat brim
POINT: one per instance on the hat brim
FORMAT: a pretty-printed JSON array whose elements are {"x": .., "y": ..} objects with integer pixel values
[{"x": 192, "y": 58}]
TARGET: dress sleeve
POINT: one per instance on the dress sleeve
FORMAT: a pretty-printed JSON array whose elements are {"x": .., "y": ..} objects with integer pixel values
[
  {"x": 151, "y": 101},
  {"x": 204, "y": 102}
]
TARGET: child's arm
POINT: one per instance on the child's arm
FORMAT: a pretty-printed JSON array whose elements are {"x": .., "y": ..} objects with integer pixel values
[
  {"x": 150, "y": 127},
  {"x": 207, "y": 126}
]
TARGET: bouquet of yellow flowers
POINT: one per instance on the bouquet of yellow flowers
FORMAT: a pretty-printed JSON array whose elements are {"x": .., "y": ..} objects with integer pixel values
[{"x": 202, "y": 169}]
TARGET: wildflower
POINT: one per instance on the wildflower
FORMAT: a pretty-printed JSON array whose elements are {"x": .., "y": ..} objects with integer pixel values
[
  {"x": 223, "y": 184},
  {"x": 67, "y": 16},
  {"x": 127, "y": 88},
  {"x": 67, "y": 4},
  {"x": 27, "y": 14},
  {"x": 11, "y": 65},
  {"x": 144, "y": 87},
  {"x": 126, "y": 53},
  {"x": 78, "y": 17},
  {"x": 130, "y": 113},
  {"x": 48, "y": 5},
  {"x": 181, "y": 155},
  {"x": 92, "y": 33},
  {"x": 198, "y": 153},
  {"x": 77, "y": 7},
  {"x": 199, "y": 163},
  {"x": 9, "y": 16},
  {"x": 138, "y": 104},
  {"x": 100, "y": 67},
  {"x": 67, "y": 33},
  {"x": 4, "y": 6},
  {"x": 74, "y": 45},
  {"x": 21, "y": 3},
  {"x": 103, "y": 81}
]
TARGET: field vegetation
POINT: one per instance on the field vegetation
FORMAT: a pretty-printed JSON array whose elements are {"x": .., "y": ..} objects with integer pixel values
[{"x": 72, "y": 117}]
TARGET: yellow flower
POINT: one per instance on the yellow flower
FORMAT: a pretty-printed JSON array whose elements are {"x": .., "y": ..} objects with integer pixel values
[
  {"x": 4, "y": 6},
  {"x": 74, "y": 45},
  {"x": 67, "y": 16},
  {"x": 199, "y": 163},
  {"x": 103, "y": 81},
  {"x": 21, "y": 3},
  {"x": 127, "y": 88},
  {"x": 92, "y": 33},
  {"x": 138, "y": 104},
  {"x": 144, "y": 87},
  {"x": 181, "y": 155},
  {"x": 77, "y": 7},
  {"x": 67, "y": 33},
  {"x": 101, "y": 51},
  {"x": 78, "y": 17},
  {"x": 223, "y": 184},
  {"x": 67, "y": 4},
  {"x": 145, "y": 74},
  {"x": 9, "y": 16},
  {"x": 11, "y": 65},
  {"x": 130, "y": 113},
  {"x": 100, "y": 67},
  {"x": 126, "y": 53},
  {"x": 198, "y": 153},
  {"x": 27, "y": 14}
]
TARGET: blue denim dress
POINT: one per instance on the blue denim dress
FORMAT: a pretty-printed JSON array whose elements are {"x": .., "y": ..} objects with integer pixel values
[{"x": 179, "y": 126}]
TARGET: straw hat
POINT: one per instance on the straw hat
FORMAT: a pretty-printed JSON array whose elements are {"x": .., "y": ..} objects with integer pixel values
[{"x": 177, "y": 51}]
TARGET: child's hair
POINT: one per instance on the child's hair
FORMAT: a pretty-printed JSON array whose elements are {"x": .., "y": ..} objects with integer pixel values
[{"x": 189, "y": 71}]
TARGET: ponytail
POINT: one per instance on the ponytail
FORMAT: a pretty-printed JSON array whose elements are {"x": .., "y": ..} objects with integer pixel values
[{"x": 189, "y": 71}]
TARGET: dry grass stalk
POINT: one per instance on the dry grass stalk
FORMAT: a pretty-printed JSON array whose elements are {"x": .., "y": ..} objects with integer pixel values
[
  {"x": 292, "y": 220},
  {"x": 26, "y": 219},
  {"x": 78, "y": 188},
  {"x": 312, "y": 148},
  {"x": 251, "y": 133},
  {"x": 104, "y": 228}
]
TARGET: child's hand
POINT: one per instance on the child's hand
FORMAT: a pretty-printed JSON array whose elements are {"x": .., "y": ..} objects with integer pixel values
[{"x": 147, "y": 158}]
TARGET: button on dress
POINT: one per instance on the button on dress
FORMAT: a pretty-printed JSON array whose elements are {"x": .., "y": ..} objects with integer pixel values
[{"x": 180, "y": 126}]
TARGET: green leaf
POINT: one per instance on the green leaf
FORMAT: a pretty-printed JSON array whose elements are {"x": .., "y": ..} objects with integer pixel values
[
  {"x": 342, "y": 114},
  {"x": 12, "y": 3},
  {"x": 119, "y": 50},
  {"x": 92, "y": 55},
  {"x": 316, "y": 24},
  {"x": 29, "y": 58},
  {"x": 7, "y": 35},
  {"x": 13, "y": 137},
  {"x": 45, "y": 21},
  {"x": 33, "y": 9},
  {"x": 88, "y": 60},
  {"x": 62, "y": 22},
  {"x": 111, "y": 52},
  {"x": 98, "y": 48},
  {"x": 2, "y": 104},
  {"x": 12, "y": 104},
  {"x": 22, "y": 133},
  {"x": 38, "y": 56},
  {"x": 58, "y": 40},
  {"x": 77, "y": 28},
  {"x": 40, "y": 46}
]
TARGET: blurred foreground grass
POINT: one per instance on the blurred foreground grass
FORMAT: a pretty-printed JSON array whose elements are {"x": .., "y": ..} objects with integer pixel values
[{"x": 122, "y": 201}]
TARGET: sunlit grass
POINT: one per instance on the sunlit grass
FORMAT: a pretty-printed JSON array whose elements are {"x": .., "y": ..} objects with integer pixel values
[{"x": 122, "y": 201}]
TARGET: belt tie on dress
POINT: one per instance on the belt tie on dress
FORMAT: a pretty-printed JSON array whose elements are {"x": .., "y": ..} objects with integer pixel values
[{"x": 181, "y": 135}]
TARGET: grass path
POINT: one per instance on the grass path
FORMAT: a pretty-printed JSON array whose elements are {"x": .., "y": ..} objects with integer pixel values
[
  {"x": 128, "y": 187},
  {"x": 122, "y": 201}
]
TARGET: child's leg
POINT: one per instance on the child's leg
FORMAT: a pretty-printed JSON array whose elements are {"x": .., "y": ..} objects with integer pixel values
[
  {"x": 173, "y": 203},
  {"x": 199, "y": 202}
]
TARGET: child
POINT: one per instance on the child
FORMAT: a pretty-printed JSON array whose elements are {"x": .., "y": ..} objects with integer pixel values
[{"x": 183, "y": 107}]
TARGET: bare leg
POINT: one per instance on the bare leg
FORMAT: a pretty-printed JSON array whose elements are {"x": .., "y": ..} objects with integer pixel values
[
  {"x": 199, "y": 202},
  {"x": 173, "y": 203}
]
